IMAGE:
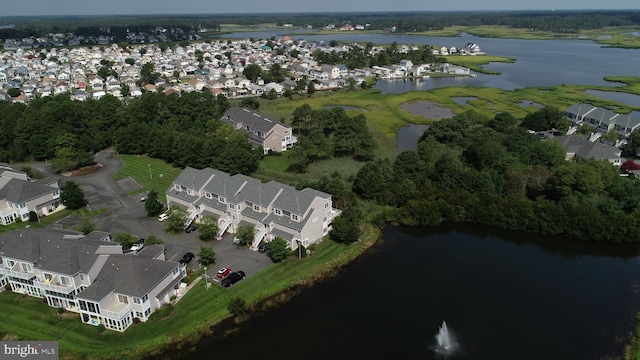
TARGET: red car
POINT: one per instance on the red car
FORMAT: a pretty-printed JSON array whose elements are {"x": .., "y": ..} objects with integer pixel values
[{"x": 222, "y": 273}]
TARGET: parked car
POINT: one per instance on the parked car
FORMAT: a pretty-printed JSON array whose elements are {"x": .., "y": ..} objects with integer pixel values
[
  {"x": 190, "y": 228},
  {"x": 263, "y": 248},
  {"x": 186, "y": 258},
  {"x": 232, "y": 278},
  {"x": 224, "y": 272},
  {"x": 143, "y": 199},
  {"x": 138, "y": 245},
  {"x": 163, "y": 217}
]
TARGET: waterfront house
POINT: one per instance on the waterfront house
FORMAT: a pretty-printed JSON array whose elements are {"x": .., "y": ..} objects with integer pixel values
[
  {"x": 88, "y": 274},
  {"x": 274, "y": 209}
]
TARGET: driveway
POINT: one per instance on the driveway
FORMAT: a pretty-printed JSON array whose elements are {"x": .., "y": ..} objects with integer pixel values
[{"x": 127, "y": 214}]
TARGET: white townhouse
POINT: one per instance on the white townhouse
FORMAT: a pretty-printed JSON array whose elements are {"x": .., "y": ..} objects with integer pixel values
[
  {"x": 261, "y": 131},
  {"x": 19, "y": 195},
  {"x": 274, "y": 209},
  {"x": 88, "y": 274}
]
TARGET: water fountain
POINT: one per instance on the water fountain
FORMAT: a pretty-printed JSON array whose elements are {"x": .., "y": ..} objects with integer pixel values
[{"x": 445, "y": 343}]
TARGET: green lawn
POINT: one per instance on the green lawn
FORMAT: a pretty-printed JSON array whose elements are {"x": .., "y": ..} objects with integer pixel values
[
  {"x": 150, "y": 173},
  {"x": 28, "y": 318}
]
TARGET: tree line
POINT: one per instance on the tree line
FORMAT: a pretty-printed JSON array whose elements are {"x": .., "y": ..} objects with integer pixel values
[
  {"x": 492, "y": 171},
  {"x": 184, "y": 130}
]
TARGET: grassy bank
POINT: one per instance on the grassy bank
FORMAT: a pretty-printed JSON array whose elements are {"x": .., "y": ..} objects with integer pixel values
[{"x": 476, "y": 62}]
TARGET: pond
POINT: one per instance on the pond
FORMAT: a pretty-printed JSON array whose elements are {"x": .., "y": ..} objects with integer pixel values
[
  {"x": 427, "y": 110},
  {"x": 504, "y": 295},
  {"x": 529, "y": 103},
  {"x": 463, "y": 100},
  {"x": 408, "y": 137},
  {"x": 629, "y": 99}
]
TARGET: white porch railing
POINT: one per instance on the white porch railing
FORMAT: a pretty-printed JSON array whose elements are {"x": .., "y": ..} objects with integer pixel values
[
  {"x": 18, "y": 274},
  {"x": 117, "y": 315},
  {"x": 225, "y": 225},
  {"x": 53, "y": 287},
  {"x": 258, "y": 238}
]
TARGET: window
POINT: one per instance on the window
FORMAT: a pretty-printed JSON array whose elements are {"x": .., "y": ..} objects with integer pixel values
[
  {"x": 137, "y": 301},
  {"x": 294, "y": 217},
  {"x": 189, "y": 191},
  {"x": 277, "y": 211},
  {"x": 208, "y": 195},
  {"x": 221, "y": 199},
  {"x": 65, "y": 281},
  {"x": 56, "y": 192},
  {"x": 249, "y": 204},
  {"x": 123, "y": 299},
  {"x": 256, "y": 207},
  {"x": 145, "y": 298},
  {"x": 47, "y": 277},
  {"x": 326, "y": 205},
  {"x": 26, "y": 267},
  {"x": 231, "y": 206},
  {"x": 10, "y": 263}
]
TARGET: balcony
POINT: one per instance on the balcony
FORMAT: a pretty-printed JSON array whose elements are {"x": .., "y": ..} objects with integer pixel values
[
  {"x": 53, "y": 287},
  {"x": 126, "y": 309},
  {"x": 17, "y": 274}
]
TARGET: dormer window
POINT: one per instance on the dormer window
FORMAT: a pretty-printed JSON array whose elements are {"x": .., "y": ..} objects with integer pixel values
[
  {"x": 256, "y": 207},
  {"x": 221, "y": 199},
  {"x": 294, "y": 217},
  {"x": 277, "y": 211},
  {"x": 208, "y": 195},
  {"x": 189, "y": 191},
  {"x": 232, "y": 206}
]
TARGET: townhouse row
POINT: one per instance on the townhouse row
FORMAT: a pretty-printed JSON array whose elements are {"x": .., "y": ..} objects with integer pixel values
[
  {"x": 89, "y": 275},
  {"x": 274, "y": 209}
]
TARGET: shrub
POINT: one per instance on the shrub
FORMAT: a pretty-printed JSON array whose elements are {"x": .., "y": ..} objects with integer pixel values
[
  {"x": 237, "y": 306},
  {"x": 100, "y": 329}
]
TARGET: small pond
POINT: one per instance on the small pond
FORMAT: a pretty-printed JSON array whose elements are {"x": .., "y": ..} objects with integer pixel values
[
  {"x": 344, "y": 107},
  {"x": 428, "y": 110},
  {"x": 408, "y": 137},
  {"x": 463, "y": 100},
  {"x": 629, "y": 99},
  {"x": 528, "y": 103}
]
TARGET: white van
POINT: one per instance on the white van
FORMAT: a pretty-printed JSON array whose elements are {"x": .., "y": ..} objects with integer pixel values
[{"x": 163, "y": 217}]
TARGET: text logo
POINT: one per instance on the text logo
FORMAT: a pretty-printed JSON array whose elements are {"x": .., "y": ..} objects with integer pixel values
[{"x": 42, "y": 350}]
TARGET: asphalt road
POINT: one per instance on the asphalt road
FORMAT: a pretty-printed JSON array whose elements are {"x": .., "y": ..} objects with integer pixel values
[{"x": 126, "y": 214}]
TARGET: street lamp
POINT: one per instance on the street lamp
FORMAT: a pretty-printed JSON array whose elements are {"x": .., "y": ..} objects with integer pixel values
[
  {"x": 150, "y": 176},
  {"x": 206, "y": 283}
]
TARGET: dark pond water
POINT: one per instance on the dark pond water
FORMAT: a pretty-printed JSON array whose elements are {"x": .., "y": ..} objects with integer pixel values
[
  {"x": 408, "y": 137},
  {"x": 629, "y": 99},
  {"x": 504, "y": 295},
  {"x": 463, "y": 100},
  {"x": 527, "y": 103}
]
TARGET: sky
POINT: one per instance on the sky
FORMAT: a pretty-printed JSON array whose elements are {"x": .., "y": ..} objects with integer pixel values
[{"x": 134, "y": 7}]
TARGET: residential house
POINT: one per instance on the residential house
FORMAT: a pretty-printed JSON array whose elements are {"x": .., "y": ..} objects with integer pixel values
[
  {"x": 576, "y": 146},
  {"x": 332, "y": 71},
  {"x": 88, "y": 274},
  {"x": 19, "y": 195},
  {"x": 576, "y": 112},
  {"x": 272, "y": 135},
  {"x": 274, "y": 209}
]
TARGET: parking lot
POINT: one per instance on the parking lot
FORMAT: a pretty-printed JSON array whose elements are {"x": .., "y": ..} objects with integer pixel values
[{"x": 127, "y": 214}]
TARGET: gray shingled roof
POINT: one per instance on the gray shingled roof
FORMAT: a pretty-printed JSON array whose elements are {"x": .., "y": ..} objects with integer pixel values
[
  {"x": 50, "y": 250},
  {"x": 258, "y": 193},
  {"x": 128, "y": 275},
  {"x": 18, "y": 191},
  {"x": 250, "y": 118},
  {"x": 193, "y": 178},
  {"x": 579, "y": 109},
  {"x": 296, "y": 202},
  {"x": 601, "y": 114},
  {"x": 587, "y": 149}
]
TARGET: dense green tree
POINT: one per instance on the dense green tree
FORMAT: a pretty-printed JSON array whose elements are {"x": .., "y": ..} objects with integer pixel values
[
  {"x": 237, "y": 306},
  {"x": 346, "y": 227},
  {"x": 374, "y": 179},
  {"x": 245, "y": 234},
  {"x": 278, "y": 249},
  {"x": 124, "y": 239},
  {"x": 177, "y": 219},
  {"x": 14, "y": 92},
  {"x": 251, "y": 103},
  {"x": 152, "y": 205},
  {"x": 68, "y": 159},
  {"x": 207, "y": 255},
  {"x": 252, "y": 72},
  {"x": 208, "y": 228},
  {"x": 86, "y": 226},
  {"x": 72, "y": 196}
]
